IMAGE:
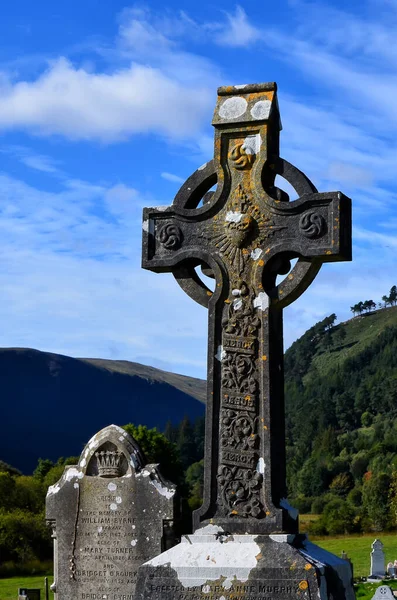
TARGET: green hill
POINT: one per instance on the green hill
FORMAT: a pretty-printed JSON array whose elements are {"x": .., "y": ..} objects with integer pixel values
[{"x": 341, "y": 419}]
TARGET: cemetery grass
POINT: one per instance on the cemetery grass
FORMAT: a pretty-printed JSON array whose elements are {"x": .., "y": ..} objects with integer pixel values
[
  {"x": 358, "y": 549},
  {"x": 9, "y": 586}
]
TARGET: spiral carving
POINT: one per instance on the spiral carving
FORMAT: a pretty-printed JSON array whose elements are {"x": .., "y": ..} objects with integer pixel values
[
  {"x": 170, "y": 236},
  {"x": 240, "y": 158},
  {"x": 312, "y": 224}
]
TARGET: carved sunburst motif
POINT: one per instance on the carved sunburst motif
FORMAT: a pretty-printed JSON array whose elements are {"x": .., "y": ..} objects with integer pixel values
[{"x": 240, "y": 228}]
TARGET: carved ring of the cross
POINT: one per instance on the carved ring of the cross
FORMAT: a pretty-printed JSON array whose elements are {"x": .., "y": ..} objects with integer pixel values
[{"x": 196, "y": 188}]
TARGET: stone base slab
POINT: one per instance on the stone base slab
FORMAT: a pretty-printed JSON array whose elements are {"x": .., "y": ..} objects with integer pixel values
[{"x": 211, "y": 565}]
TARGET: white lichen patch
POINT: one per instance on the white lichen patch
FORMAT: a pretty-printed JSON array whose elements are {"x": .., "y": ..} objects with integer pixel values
[
  {"x": 261, "y": 301},
  {"x": 206, "y": 589},
  {"x": 252, "y": 144},
  {"x": 144, "y": 473},
  {"x": 113, "y": 506},
  {"x": 162, "y": 208},
  {"x": 261, "y": 109},
  {"x": 83, "y": 462},
  {"x": 121, "y": 438},
  {"x": 145, "y": 225},
  {"x": 236, "y": 292},
  {"x": 76, "y": 486},
  {"x": 133, "y": 526},
  {"x": 119, "y": 499},
  {"x": 293, "y": 512},
  {"x": 134, "y": 542},
  {"x": 237, "y": 303},
  {"x": 283, "y": 538},
  {"x": 233, "y": 108},
  {"x": 221, "y": 354},
  {"x": 53, "y": 489},
  {"x": 197, "y": 562},
  {"x": 208, "y": 529},
  {"x": 73, "y": 472},
  {"x": 233, "y": 216},
  {"x": 240, "y": 87},
  {"x": 260, "y": 467},
  {"x": 164, "y": 491},
  {"x": 112, "y": 487},
  {"x": 117, "y": 428},
  {"x": 201, "y": 168},
  {"x": 100, "y": 529},
  {"x": 256, "y": 253}
]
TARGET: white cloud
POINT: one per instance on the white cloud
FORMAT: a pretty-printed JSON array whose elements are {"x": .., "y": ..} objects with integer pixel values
[
  {"x": 106, "y": 107},
  {"x": 237, "y": 31},
  {"x": 31, "y": 159},
  {"x": 172, "y": 177}
]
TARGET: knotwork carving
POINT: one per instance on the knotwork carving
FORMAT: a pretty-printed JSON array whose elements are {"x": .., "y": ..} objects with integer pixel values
[
  {"x": 240, "y": 158},
  {"x": 311, "y": 224},
  {"x": 239, "y": 483},
  {"x": 242, "y": 319},
  {"x": 238, "y": 430},
  {"x": 238, "y": 373},
  {"x": 170, "y": 236},
  {"x": 240, "y": 491}
]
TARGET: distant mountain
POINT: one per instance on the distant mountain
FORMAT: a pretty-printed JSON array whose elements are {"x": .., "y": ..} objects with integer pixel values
[{"x": 52, "y": 404}]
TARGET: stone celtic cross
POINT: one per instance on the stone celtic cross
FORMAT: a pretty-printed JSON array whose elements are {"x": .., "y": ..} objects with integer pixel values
[{"x": 244, "y": 235}]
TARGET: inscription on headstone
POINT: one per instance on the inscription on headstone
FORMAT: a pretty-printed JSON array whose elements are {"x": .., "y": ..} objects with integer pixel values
[
  {"x": 108, "y": 514},
  {"x": 377, "y": 559}
]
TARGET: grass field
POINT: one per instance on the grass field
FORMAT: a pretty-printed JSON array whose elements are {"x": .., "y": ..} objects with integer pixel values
[
  {"x": 9, "y": 586},
  {"x": 358, "y": 549}
]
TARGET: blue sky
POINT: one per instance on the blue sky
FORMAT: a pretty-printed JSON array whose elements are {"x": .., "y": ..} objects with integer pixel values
[{"x": 106, "y": 108}]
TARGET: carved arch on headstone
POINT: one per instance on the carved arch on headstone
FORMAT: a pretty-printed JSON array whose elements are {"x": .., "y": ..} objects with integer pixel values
[{"x": 111, "y": 452}]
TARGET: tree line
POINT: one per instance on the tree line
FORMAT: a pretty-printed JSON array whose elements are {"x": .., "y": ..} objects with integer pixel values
[
  {"x": 368, "y": 305},
  {"x": 341, "y": 425}
]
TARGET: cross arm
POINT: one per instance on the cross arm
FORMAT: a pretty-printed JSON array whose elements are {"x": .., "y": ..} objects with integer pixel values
[{"x": 316, "y": 226}]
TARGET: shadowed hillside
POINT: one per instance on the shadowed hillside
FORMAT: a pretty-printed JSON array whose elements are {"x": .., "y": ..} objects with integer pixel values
[{"x": 52, "y": 404}]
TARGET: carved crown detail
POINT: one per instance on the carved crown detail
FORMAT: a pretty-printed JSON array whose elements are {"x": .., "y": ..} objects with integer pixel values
[{"x": 109, "y": 462}]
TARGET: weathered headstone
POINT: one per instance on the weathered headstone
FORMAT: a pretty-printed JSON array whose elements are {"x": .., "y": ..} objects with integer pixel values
[
  {"x": 108, "y": 514},
  {"x": 391, "y": 569},
  {"x": 377, "y": 559},
  {"x": 383, "y": 592},
  {"x": 246, "y": 542}
]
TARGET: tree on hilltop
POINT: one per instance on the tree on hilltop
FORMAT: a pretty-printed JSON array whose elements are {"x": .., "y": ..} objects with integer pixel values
[
  {"x": 393, "y": 295},
  {"x": 369, "y": 305}
]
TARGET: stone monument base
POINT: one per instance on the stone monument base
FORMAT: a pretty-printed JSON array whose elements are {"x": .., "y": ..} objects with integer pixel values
[{"x": 211, "y": 565}]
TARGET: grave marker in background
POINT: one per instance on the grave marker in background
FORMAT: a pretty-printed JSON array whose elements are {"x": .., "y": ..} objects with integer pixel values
[
  {"x": 377, "y": 559},
  {"x": 383, "y": 592},
  {"x": 108, "y": 515}
]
